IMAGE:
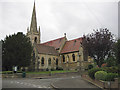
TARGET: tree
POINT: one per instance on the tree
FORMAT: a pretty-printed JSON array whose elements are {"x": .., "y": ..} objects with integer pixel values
[
  {"x": 16, "y": 51},
  {"x": 111, "y": 61},
  {"x": 117, "y": 51},
  {"x": 98, "y": 45}
]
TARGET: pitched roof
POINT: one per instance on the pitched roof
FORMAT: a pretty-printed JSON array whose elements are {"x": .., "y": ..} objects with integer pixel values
[
  {"x": 72, "y": 45},
  {"x": 54, "y": 43},
  {"x": 43, "y": 49}
]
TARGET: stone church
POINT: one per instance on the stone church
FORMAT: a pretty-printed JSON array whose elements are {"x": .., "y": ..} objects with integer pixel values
[{"x": 55, "y": 54}]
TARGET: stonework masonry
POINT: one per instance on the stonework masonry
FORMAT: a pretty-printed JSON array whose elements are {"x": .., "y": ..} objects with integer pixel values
[{"x": 67, "y": 54}]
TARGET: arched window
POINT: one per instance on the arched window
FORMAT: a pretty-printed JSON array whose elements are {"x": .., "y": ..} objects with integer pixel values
[
  {"x": 73, "y": 56},
  {"x": 63, "y": 58},
  {"x": 35, "y": 40},
  {"x": 56, "y": 61},
  {"x": 42, "y": 61},
  {"x": 49, "y": 61}
]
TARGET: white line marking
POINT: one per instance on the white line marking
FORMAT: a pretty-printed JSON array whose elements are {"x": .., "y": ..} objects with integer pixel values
[
  {"x": 39, "y": 87},
  {"x": 17, "y": 82},
  {"x": 21, "y": 83}
]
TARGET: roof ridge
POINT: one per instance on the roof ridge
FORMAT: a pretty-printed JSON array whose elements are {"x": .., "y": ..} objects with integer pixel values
[
  {"x": 76, "y": 39},
  {"x": 45, "y": 45},
  {"x": 52, "y": 40}
]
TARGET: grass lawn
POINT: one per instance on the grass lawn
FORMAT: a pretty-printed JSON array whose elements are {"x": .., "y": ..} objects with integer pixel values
[
  {"x": 47, "y": 72},
  {"x": 40, "y": 72},
  {"x": 7, "y": 72}
]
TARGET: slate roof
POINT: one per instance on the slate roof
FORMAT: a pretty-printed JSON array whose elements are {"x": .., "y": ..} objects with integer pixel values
[
  {"x": 72, "y": 45},
  {"x": 54, "y": 43},
  {"x": 43, "y": 49}
]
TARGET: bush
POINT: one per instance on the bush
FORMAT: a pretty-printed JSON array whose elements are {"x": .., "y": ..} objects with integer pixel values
[
  {"x": 90, "y": 66},
  {"x": 111, "y": 76},
  {"x": 47, "y": 69},
  {"x": 52, "y": 69},
  {"x": 100, "y": 75},
  {"x": 59, "y": 68},
  {"x": 110, "y": 69},
  {"x": 92, "y": 72}
]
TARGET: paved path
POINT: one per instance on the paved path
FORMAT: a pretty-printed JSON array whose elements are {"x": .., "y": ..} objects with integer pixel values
[
  {"x": 60, "y": 82},
  {"x": 73, "y": 82},
  {"x": 26, "y": 83}
]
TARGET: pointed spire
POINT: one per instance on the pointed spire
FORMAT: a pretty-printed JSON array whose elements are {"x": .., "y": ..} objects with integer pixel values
[{"x": 33, "y": 20}]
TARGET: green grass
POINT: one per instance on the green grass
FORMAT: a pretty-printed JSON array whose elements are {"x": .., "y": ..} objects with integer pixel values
[
  {"x": 40, "y": 72},
  {"x": 47, "y": 72},
  {"x": 7, "y": 72}
]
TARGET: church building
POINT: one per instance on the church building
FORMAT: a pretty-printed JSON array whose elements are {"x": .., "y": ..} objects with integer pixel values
[{"x": 55, "y": 54}]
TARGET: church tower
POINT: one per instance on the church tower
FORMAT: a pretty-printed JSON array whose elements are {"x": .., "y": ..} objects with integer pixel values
[{"x": 32, "y": 32}]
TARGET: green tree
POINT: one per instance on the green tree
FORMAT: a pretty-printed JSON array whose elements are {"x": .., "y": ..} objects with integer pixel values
[
  {"x": 111, "y": 61},
  {"x": 117, "y": 51},
  {"x": 98, "y": 45},
  {"x": 16, "y": 51}
]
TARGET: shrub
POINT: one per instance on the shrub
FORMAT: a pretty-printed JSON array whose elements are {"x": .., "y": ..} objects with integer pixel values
[
  {"x": 92, "y": 72},
  {"x": 59, "y": 68},
  {"x": 104, "y": 65},
  {"x": 100, "y": 75},
  {"x": 90, "y": 66},
  {"x": 110, "y": 69},
  {"x": 111, "y": 76},
  {"x": 52, "y": 69},
  {"x": 47, "y": 69}
]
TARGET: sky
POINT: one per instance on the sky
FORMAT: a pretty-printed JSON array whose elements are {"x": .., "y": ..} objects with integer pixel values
[{"x": 56, "y": 17}]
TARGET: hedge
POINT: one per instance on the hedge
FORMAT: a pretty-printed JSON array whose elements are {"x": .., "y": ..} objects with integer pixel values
[
  {"x": 111, "y": 76},
  {"x": 100, "y": 75},
  {"x": 92, "y": 72},
  {"x": 110, "y": 69}
]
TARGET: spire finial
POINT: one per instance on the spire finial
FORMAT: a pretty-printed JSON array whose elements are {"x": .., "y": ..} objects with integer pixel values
[
  {"x": 27, "y": 29},
  {"x": 65, "y": 34},
  {"x": 33, "y": 20}
]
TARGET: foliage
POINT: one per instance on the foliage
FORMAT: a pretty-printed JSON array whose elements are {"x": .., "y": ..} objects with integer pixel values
[
  {"x": 92, "y": 72},
  {"x": 100, "y": 75},
  {"x": 111, "y": 69},
  {"x": 47, "y": 69},
  {"x": 104, "y": 65},
  {"x": 111, "y": 76},
  {"x": 59, "y": 68},
  {"x": 16, "y": 51},
  {"x": 119, "y": 70},
  {"x": 52, "y": 69},
  {"x": 117, "y": 51},
  {"x": 98, "y": 45},
  {"x": 111, "y": 61},
  {"x": 90, "y": 66}
]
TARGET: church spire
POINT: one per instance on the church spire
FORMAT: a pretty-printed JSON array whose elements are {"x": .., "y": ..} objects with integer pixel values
[{"x": 33, "y": 25}]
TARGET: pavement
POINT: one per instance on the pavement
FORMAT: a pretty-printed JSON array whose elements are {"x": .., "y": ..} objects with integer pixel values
[
  {"x": 67, "y": 81},
  {"x": 73, "y": 82}
]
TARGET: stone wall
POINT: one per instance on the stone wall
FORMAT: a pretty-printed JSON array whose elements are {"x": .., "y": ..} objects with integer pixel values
[
  {"x": 46, "y": 64},
  {"x": 70, "y": 64}
]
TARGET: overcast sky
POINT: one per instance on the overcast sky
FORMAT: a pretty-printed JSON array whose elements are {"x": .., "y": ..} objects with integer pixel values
[{"x": 56, "y": 17}]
